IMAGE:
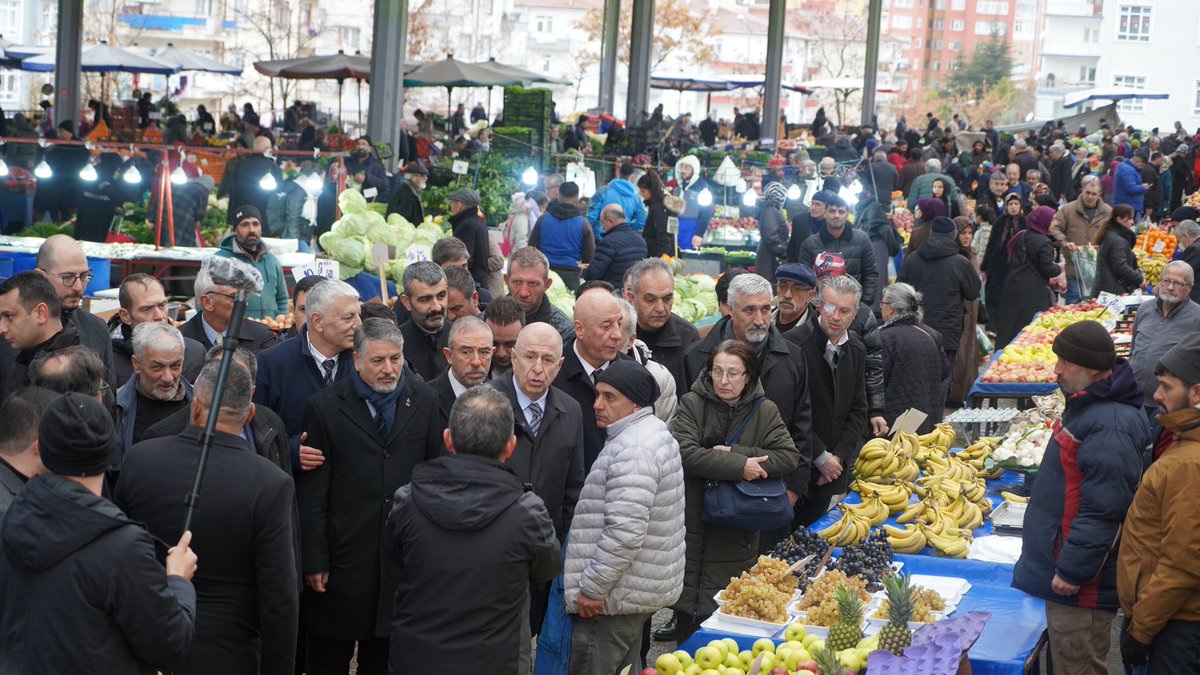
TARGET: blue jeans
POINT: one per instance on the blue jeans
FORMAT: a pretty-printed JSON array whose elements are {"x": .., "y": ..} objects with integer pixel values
[{"x": 1072, "y": 295}]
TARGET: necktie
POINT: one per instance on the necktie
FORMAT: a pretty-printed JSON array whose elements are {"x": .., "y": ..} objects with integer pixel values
[
  {"x": 595, "y": 376},
  {"x": 535, "y": 418},
  {"x": 219, "y": 340},
  {"x": 328, "y": 366},
  {"x": 831, "y": 356}
]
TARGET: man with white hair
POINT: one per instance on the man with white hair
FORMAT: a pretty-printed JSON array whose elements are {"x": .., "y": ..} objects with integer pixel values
[
  {"x": 1075, "y": 225},
  {"x": 156, "y": 390},
  {"x": 922, "y": 186},
  {"x": 468, "y": 351},
  {"x": 1060, "y": 173},
  {"x": 1162, "y": 323},
  {"x": 1024, "y": 157},
  {"x": 1188, "y": 234},
  {"x": 214, "y": 303},
  {"x": 784, "y": 379}
]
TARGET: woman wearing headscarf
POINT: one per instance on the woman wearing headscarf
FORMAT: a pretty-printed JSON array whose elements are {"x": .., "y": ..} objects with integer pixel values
[
  {"x": 966, "y": 364},
  {"x": 915, "y": 367},
  {"x": 927, "y": 209},
  {"x": 1033, "y": 276},
  {"x": 772, "y": 230},
  {"x": 994, "y": 264},
  {"x": 1116, "y": 266}
]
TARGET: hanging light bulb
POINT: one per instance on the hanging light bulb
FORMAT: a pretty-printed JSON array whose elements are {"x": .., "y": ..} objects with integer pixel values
[
  {"x": 3, "y": 168},
  {"x": 793, "y": 192},
  {"x": 530, "y": 177},
  {"x": 132, "y": 175},
  {"x": 88, "y": 173},
  {"x": 749, "y": 198},
  {"x": 705, "y": 197},
  {"x": 268, "y": 182},
  {"x": 741, "y": 186},
  {"x": 42, "y": 170},
  {"x": 314, "y": 181},
  {"x": 178, "y": 177}
]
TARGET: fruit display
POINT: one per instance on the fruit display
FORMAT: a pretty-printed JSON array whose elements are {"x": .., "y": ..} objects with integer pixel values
[
  {"x": 762, "y": 592},
  {"x": 801, "y": 544},
  {"x": 802, "y": 653},
  {"x": 1151, "y": 265},
  {"x": 901, "y": 603},
  {"x": 1029, "y": 358},
  {"x": 1023, "y": 446},
  {"x": 1156, "y": 242},
  {"x": 871, "y": 560},
  {"x": 278, "y": 323},
  {"x": 924, "y": 603},
  {"x": 847, "y": 630}
]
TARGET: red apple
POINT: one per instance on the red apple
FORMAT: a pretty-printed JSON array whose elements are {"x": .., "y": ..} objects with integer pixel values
[
  {"x": 780, "y": 671},
  {"x": 808, "y": 665},
  {"x": 648, "y": 671}
]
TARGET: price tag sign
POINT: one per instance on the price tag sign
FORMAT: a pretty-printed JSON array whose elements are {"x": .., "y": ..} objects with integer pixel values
[
  {"x": 672, "y": 225},
  {"x": 1160, "y": 246},
  {"x": 418, "y": 253},
  {"x": 1110, "y": 325},
  {"x": 371, "y": 193},
  {"x": 460, "y": 167},
  {"x": 1110, "y": 301},
  {"x": 379, "y": 255},
  {"x": 330, "y": 269}
]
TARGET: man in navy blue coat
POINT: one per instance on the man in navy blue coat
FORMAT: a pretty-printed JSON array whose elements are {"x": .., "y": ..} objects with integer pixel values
[{"x": 620, "y": 248}]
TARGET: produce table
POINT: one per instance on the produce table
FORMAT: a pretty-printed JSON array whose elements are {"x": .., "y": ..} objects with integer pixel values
[
  {"x": 1022, "y": 391},
  {"x": 1010, "y": 637}
]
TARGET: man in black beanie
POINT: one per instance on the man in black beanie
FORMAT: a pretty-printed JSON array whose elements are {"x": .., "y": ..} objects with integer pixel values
[
  {"x": 1085, "y": 485},
  {"x": 80, "y": 588}
]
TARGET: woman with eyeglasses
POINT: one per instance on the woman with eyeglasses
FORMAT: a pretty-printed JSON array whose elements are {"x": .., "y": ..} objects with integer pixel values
[
  {"x": 915, "y": 367},
  {"x": 1116, "y": 266},
  {"x": 727, "y": 393}
]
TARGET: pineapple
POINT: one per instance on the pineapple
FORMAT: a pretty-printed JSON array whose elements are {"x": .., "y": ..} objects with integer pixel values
[
  {"x": 827, "y": 661},
  {"x": 896, "y": 635},
  {"x": 848, "y": 630}
]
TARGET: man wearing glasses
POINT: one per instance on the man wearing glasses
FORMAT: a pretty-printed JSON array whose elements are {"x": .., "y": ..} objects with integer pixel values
[
  {"x": 61, "y": 260},
  {"x": 31, "y": 324},
  {"x": 1162, "y": 323},
  {"x": 215, "y": 305}
]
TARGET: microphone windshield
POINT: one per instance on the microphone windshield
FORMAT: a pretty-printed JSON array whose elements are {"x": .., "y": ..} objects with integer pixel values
[{"x": 234, "y": 273}]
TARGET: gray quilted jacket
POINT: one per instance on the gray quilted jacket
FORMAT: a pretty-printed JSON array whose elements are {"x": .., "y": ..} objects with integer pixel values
[{"x": 626, "y": 542}]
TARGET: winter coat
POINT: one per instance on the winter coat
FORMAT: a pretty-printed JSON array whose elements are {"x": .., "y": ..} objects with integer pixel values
[
  {"x": 866, "y": 327},
  {"x": 995, "y": 262},
  {"x": 124, "y": 414},
  {"x": 842, "y": 151},
  {"x": 122, "y": 347},
  {"x": 406, "y": 201},
  {"x": 803, "y": 227},
  {"x": 668, "y": 345},
  {"x": 884, "y": 180},
  {"x": 564, "y": 236},
  {"x": 254, "y": 336},
  {"x": 627, "y": 538},
  {"x": 659, "y": 241},
  {"x": 266, "y": 431},
  {"x": 909, "y": 174},
  {"x": 468, "y": 539},
  {"x": 1116, "y": 266},
  {"x": 549, "y": 314},
  {"x": 81, "y": 590},
  {"x": 273, "y": 300},
  {"x": 620, "y": 248},
  {"x": 714, "y": 554},
  {"x": 17, "y": 373},
  {"x": 945, "y": 279},
  {"x": 1085, "y": 485},
  {"x": 784, "y": 381},
  {"x": 468, "y": 226},
  {"x": 624, "y": 194},
  {"x": 574, "y": 382},
  {"x": 344, "y": 503},
  {"x": 772, "y": 245},
  {"x": 855, "y": 248},
  {"x": 286, "y": 213},
  {"x": 1127, "y": 186},
  {"x": 922, "y": 187},
  {"x": 1026, "y": 289},
  {"x": 1071, "y": 224},
  {"x": 1060, "y": 178},
  {"x": 690, "y": 194},
  {"x": 247, "y": 602},
  {"x": 423, "y": 351},
  {"x": 1157, "y": 566},
  {"x": 1191, "y": 256},
  {"x": 1155, "y": 334},
  {"x": 914, "y": 370},
  {"x": 668, "y": 399}
]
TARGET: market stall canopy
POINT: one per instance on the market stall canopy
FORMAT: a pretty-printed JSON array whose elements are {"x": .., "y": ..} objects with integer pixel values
[
  {"x": 452, "y": 73},
  {"x": 527, "y": 76},
  {"x": 104, "y": 58},
  {"x": 1077, "y": 98},
  {"x": 15, "y": 51},
  {"x": 682, "y": 82},
  {"x": 186, "y": 60},
  {"x": 841, "y": 83},
  {"x": 1091, "y": 119},
  {"x": 339, "y": 66}
]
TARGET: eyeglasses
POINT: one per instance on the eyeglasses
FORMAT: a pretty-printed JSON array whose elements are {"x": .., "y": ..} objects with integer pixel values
[
  {"x": 230, "y": 296},
  {"x": 68, "y": 279},
  {"x": 103, "y": 386},
  {"x": 1172, "y": 282},
  {"x": 728, "y": 375}
]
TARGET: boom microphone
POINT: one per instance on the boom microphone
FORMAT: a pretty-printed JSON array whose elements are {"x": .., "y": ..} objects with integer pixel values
[{"x": 235, "y": 274}]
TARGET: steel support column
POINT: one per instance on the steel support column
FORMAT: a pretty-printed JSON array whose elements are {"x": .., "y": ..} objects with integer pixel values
[
  {"x": 641, "y": 47},
  {"x": 67, "y": 54},
  {"x": 386, "y": 108},
  {"x": 776, "y": 21},
  {"x": 871, "y": 72},
  {"x": 608, "y": 54}
]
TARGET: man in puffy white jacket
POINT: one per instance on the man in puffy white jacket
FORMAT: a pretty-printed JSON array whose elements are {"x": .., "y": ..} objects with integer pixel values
[{"x": 625, "y": 556}]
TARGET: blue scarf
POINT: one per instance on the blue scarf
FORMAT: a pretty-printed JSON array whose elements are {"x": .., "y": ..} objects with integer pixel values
[{"x": 384, "y": 404}]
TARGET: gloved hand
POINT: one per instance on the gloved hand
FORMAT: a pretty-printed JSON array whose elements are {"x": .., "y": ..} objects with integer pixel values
[{"x": 1133, "y": 653}]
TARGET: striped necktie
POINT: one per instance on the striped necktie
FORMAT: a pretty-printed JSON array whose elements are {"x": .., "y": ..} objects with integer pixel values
[
  {"x": 535, "y": 418},
  {"x": 328, "y": 366}
]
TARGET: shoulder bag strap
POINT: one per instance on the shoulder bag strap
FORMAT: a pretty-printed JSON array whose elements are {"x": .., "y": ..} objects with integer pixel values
[{"x": 737, "y": 433}]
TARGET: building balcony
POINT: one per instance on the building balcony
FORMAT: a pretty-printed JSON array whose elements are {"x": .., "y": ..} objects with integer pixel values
[
  {"x": 1071, "y": 50},
  {"x": 1075, "y": 8}
]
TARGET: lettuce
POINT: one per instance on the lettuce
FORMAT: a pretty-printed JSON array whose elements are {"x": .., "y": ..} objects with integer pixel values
[{"x": 352, "y": 202}]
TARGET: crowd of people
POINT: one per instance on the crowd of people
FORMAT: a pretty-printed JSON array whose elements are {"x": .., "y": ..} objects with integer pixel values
[{"x": 439, "y": 481}]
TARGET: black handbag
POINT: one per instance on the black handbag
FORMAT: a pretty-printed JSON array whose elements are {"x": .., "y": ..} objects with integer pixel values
[{"x": 747, "y": 505}]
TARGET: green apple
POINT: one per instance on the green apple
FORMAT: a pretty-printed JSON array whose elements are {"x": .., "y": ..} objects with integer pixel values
[
  {"x": 693, "y": 669},
  {"x": 732, "y": 660},
  {"x": 731, "y": 646},
  {"x": 782, "y": 651},
  {"x": 816, "y": 646},
  {"x": 796, "y": 656},
  {"x": 848, "y": 658},
  {"x": 734, "y": 671},
  {"x": 668, "y": 664},
  {"x": 720, "y": 646},
  {"x": 769, "y": 659},
  {"x": 710, "y": 671},
  {"x": 745, "y": 658},
  {"x": 795, "y": 631},
  {"x": 763, "y": 645},
  {"x": 808, "y": 641},
  {"x": 709, "y": 657},
  {"x": 685, "y": 659}
]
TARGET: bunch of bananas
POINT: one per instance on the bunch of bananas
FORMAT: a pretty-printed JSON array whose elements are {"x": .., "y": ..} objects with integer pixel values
[
  {"x": 976, "y": 455},
  {"x": 947, "y": 529},
  {"x": 854, "y": 526},
  {"x": 894, "y": 495},
  {"x": 1015, "y": 499},
  {"x": 880, "y": 459}
]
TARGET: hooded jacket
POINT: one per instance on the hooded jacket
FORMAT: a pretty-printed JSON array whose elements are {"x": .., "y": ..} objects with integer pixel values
[
  {"x": 1116, "y": 267},
  {"x": 690, "y": 192},
  {"x": 946, "y": 279},
  {"x": 623, "y": 193},
  {"x": 273, "y": 300},
  {"x": 626, "y": 544},
  {"x": 1085, "y": 485},
  {"x": 468, "y": 539},
  {"x": 81, "y": 590},
  {"x": 1158, "y": 577}
]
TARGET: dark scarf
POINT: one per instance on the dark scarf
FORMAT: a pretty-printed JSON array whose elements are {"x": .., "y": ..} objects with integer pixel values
[
  {"x": 384, "y": 404},
  {"x": 1037, "y": 221}
]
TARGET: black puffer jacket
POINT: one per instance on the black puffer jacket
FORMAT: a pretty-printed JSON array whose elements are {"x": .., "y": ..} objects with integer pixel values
[
  {"x": 866, "y": 327},
  {"x": 773, "y": 244},
  {"x": 852, "y": 246},
  {"x": 946, "y": 279},
  {"x": 914, "y": 370},
  {"x": 1116, "y": 266},
  {"x": 81, "y": 590}
]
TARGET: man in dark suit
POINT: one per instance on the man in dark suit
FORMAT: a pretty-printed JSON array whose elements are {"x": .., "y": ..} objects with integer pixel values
[
  {"x": 293, "y": 371},
  {"x": 650, "y": 288},
  {"x": 30, "y": 325},
  {"x": 143, "y": 300},
  {"x": 469, "y": 352},
  {"x": 61, "y": 260},
  {"x": 597, "y": 343},
  {"x": 215, "y": 311},
  {"x": 425, "y": 331},
  {"x": 373, "y": 428},
  {"x": 835, "y": 359},
  {"x": 247, "y": 605}
]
